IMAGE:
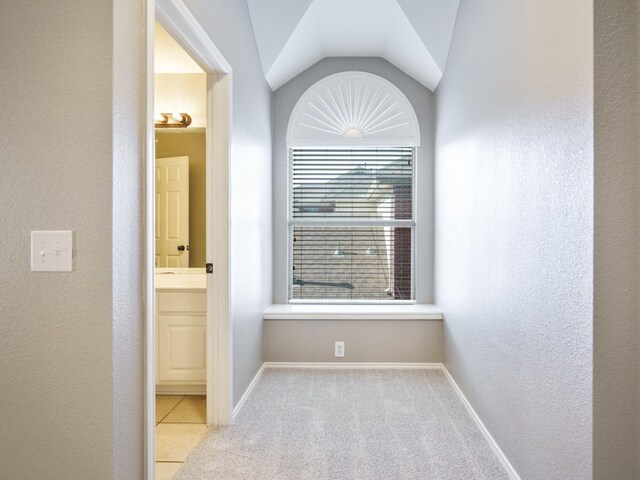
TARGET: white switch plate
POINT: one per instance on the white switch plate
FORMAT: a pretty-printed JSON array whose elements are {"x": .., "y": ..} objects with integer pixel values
[
  {"x": 339, "y": 349},
  {"x": 51, "y": 251}
]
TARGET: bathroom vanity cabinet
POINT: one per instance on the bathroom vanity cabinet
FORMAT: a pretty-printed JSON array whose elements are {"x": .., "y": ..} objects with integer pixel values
[{"x": 180, "y": 336}]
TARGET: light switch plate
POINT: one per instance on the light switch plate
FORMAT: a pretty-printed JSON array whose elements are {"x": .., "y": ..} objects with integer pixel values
[{"x": 52, "y": 251}]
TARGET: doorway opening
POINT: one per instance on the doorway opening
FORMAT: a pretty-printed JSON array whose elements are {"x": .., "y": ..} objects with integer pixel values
[
  {"x": 180, "y": 121},
  {"x": 188, "y": 339}
]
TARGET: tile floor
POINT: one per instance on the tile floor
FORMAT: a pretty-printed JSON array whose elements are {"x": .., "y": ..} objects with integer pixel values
[{"x": 180, "y": 425}]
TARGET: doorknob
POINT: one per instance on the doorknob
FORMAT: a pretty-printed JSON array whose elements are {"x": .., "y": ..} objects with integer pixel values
[{"x": 181, "y": 248}]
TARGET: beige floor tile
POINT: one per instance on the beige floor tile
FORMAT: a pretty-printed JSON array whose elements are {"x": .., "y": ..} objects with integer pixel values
[
  {"x": 192, "y": 409},
  {"x": 174, "y": 441},
  {"x": 164, "y": 404},
  {"x": 166, "y": 471}
]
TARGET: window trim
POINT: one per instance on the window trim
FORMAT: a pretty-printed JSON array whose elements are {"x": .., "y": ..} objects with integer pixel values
[
  {"x": 291, "y": 223},
  {"x": 342, "y": 81}
]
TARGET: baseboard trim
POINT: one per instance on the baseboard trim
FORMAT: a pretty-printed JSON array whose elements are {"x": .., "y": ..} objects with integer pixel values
[
  {"x": 352, "y": 365},
  {"x": 247, "y": 392},
  {"x": 502, "y": 458},
  {"x": 181, "y": 390}
]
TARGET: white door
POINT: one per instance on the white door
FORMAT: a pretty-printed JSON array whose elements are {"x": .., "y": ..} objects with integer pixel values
[{"x": 172, "y": 212}]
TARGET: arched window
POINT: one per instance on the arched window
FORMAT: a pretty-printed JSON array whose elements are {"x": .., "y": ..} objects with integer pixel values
[{"x": 351, "y": 140}]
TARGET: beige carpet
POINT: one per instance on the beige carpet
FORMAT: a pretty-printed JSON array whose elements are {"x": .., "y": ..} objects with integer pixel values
[{"x": 347, "y": 424}]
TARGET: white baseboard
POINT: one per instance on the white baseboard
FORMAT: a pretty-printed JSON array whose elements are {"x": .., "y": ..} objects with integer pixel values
[
  {"x": 502, "y": 458},
  {"x": 181, "y": 390},
  {"x": 247, "y": 392},
  {"x": 343, "y": 365}
]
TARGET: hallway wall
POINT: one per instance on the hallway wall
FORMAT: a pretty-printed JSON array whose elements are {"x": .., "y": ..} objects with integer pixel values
[
  {"x": 127, "y": 192},
  {"x": 228, "y": 24},
  {"x": 514, "y": 227},
  {"x": 616, "y": 377},
  {"x": 56, "y": 154}
]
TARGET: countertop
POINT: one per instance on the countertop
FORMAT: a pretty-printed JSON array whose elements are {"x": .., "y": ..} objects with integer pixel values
[{"x": 180, "y": 278}]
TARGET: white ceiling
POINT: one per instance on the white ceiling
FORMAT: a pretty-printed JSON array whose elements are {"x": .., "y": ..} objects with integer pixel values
[
  {"x": 169, "y": 57},
  {"x": 414, "y": 35}
]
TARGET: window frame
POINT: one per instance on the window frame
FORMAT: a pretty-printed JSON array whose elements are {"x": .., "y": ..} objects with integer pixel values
[{"x": 292, "y": 223}]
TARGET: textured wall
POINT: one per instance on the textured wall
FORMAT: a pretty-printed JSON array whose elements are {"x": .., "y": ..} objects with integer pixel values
[
  {"x": 172, "y": 144},
  {"x": 405, "y": 341},
  {"x": 514, "y": 226},
  {"x": 227, "y": 23},
  {"x": 128, "y": 340},
  {"x": 56, "y": 159},
  {"x": 617, "y": 241},
  {"x": 285, "y": 98}
]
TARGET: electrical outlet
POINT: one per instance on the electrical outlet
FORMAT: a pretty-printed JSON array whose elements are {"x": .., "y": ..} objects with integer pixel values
[{"x": 339, "y": 349}]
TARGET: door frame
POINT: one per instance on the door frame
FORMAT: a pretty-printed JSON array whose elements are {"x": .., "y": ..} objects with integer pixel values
[{"x": 179, "y": 22}]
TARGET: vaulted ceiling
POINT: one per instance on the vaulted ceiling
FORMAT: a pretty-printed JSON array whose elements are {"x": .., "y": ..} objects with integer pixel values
[{"x": 413, "y": 35}]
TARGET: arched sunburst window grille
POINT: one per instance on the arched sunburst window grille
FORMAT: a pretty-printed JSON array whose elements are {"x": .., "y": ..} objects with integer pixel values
[
  {"x": 352, "y": 139},
  {"x": 355, "y": 109}
]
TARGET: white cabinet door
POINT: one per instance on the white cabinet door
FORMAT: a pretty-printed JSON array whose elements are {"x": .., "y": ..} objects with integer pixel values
[
  {"x": 181, "y": 345},
  {"x": 181, "y": 338}
]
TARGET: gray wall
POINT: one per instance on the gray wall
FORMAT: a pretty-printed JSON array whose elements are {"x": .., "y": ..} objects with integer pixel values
[
  {"x": 616, "y": 333},
  {"x": 60, "y": 378},
  {"x": 285, "y": 98},
  {"x": 227, "y": 23},
  {"x": 405, "y": 341},
  {"x": 514, "y": 226},
  {"x": 127, "y": 343}
]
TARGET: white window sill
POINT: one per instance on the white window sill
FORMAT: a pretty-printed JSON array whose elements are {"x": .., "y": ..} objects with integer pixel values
[{"x": 352, "y": 312}]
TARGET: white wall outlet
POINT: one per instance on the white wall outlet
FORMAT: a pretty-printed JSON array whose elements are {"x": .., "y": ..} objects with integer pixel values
[
  {"x": 339, "y": 349},
  {"x": 51, "y": 251}
]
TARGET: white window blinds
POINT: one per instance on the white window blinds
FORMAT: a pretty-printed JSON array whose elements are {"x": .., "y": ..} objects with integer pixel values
[{"x": 351, "y": 224}]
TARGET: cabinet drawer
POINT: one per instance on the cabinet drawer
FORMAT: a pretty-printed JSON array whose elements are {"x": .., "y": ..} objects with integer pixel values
[{"x": 185, "y": 302}]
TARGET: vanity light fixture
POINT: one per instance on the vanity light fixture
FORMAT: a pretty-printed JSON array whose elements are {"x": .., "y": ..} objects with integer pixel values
[{"x": 172, "y": 120}]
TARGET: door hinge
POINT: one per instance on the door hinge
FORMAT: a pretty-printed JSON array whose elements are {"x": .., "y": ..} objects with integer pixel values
[{"x": 209, "y": 267}]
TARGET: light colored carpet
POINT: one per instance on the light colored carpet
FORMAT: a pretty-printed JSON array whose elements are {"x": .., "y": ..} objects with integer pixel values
[{"x": 347, "y": 424}]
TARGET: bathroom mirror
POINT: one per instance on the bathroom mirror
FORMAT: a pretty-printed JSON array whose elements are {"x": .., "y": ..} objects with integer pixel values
[{"x": 180, "y": 198}]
